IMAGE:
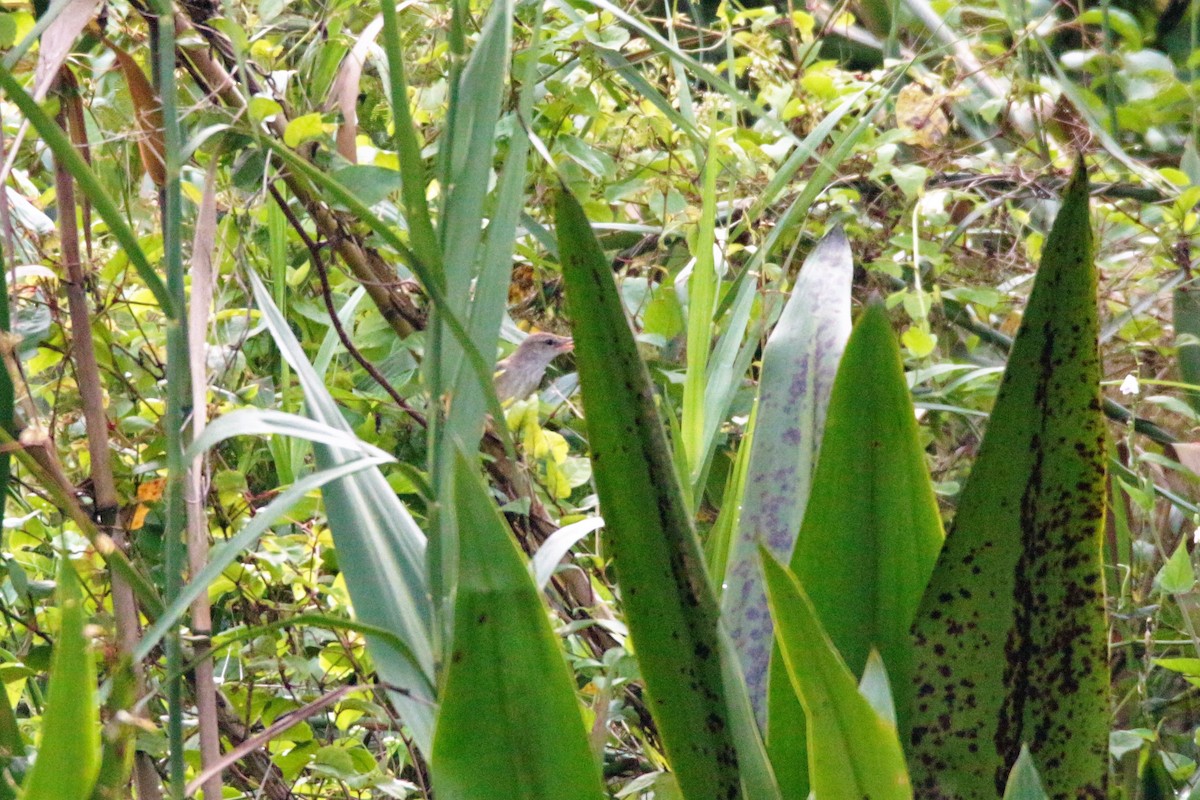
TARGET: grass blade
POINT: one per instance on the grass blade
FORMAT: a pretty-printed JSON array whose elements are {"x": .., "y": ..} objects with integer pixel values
[
  {"x": 69, "y": 751},
  {"x": 377, "y": 542}
]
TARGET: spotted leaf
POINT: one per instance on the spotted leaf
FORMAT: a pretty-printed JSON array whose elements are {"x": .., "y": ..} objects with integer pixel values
[{"x": 1010, "y": 636}]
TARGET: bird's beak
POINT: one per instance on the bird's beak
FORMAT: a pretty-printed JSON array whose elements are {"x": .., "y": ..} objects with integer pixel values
[{"x": 566, "y": 346}]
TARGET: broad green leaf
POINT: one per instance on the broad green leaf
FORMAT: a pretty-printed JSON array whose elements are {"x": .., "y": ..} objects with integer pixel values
[
  {"x": 853, "y": 752},
  {"x": 370, "y": 184},
  {"x": 1010, "y": 636},
  {"x": 871, "y": 533},
  {"x": 1177, "y": 576},
  {"x": 306, "y": 128},
  {"x": 669, "y": 603},
  {"x": 377, "y": 542},
  {"x": 799, "y": 365},
  {"x": 1024, "y": 783},
  {"x": 510, "y": 724},
  {"x": 69, "y": 743}
]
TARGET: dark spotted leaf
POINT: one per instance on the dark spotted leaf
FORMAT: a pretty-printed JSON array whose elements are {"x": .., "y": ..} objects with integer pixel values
[
  {"x": 669, "y": 603},
  {"x": 1010, "y": 636}
]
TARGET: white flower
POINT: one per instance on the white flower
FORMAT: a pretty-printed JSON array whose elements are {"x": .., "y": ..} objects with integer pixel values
[{"x": 1130, "y": 385}]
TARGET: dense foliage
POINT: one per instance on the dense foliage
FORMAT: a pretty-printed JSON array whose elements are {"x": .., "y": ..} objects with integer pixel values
[{"x": 268, "y": 522}]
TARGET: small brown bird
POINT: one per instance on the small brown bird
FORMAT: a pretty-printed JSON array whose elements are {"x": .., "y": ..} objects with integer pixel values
[{"x": 521, "y": 373}]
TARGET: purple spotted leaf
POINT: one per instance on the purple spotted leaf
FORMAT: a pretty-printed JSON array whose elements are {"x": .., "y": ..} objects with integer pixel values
[
  {"x": 799, "y": 365},
  {"x": 1010, "y": 636},
  {"x": 870, "y": 537}
]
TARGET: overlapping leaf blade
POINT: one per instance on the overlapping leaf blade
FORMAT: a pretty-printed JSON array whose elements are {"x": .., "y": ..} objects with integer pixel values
[
  {"x": 871, "y": 532},
  {"x": 670, "y": 605},
  {"x": 1010, "y": 636},
  {"x": 508, "y": 697},
  {"x": 799, "y": 365},
  {"x": 853, "y": 753},
  {"x": 377, "y": 542}
]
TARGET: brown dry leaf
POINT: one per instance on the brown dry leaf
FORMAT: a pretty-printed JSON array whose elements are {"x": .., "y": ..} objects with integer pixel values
[
  {"x": 148, "y": 111},
  {"x": 57, "y": 42},
  {"x": 343, "y": 92},
  {"x": 204, "y": 242}
]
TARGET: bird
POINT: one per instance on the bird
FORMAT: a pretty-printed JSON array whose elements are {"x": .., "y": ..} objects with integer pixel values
[{"x": 521, "y": 373}]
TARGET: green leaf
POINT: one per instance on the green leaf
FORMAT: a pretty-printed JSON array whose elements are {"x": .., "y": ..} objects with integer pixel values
[
  {"x": 1186, "y": 307},
  {"x": 1177, "y": 576},
  {"x": 703, "y": 286},
  {"x": 872, "y": 530},
  {"x": 509, "y": 698},
  {"x": 370, "y": 184},
  {"x": 799, "y": 365},
  {"x": 1010, "y": 637},
  {"x": 1024, "y": 783},
  {"x": 670, "y": 606},
  {"x": 306, "y": 128},
  {"x": 68, "y": 757},
  {"x": 853, "y": 752}
]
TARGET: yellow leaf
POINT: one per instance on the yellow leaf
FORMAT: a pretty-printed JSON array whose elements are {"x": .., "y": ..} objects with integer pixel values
[
  {"x": 151, "y": 491},
  {"x": 139, "y": 517},
  {"x": 920, "y": 343},
  {"x": 304, "y": 129}
]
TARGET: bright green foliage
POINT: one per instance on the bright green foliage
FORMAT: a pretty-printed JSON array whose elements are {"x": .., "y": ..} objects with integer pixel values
[
  {"x": 669, "y": 603},
  {"x": 509, "y": 724},
  {"x": 872, "y": 530},
  {"x": 69, "y": 745},
  {"x": 853, "y": 752},
  {"x": 1011, "y": 632}
]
